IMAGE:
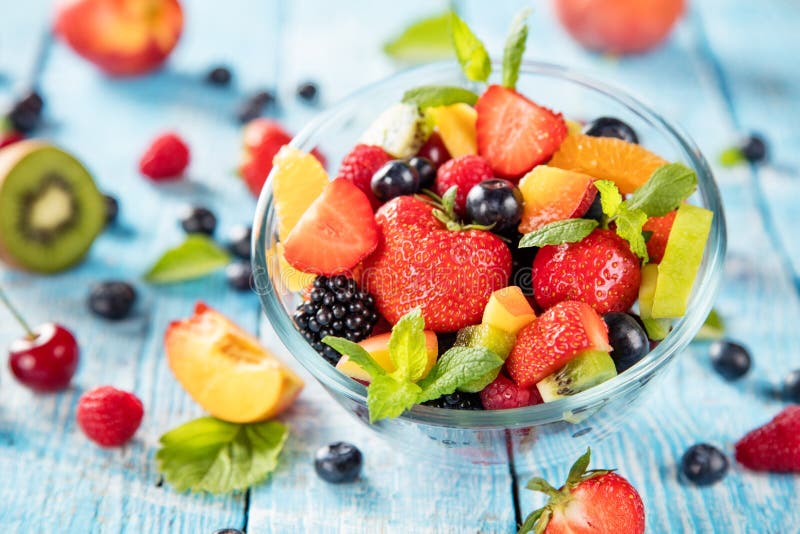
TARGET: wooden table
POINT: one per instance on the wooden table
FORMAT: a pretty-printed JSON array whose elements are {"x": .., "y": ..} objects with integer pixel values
[{"x": 731, "y": 67}]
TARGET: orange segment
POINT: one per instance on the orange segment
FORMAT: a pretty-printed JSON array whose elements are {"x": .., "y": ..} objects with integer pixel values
[
  {"x": 606, "y": 158},
  {"x": 297, "y": 179}
]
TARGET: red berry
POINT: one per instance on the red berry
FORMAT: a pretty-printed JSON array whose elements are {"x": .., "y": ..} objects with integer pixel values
[
  {"x": 166, "y": 158},
  {"x": 359, "y": 166},
  {"x": 10, "y": 137},
  {"x": 464, "y": 172},
  {"x": 553, "y": 339},
  {"x": 660, "y": 226},
  {"x": 515, "y": 134},
  {"x": 600, "y": 270},
  {"x": 109, "y": 416},
  {"x": 434, "y": 150},
  {"x": 775, "y": 446},
  {"x": 46, "y": 362},
  {"x": 503, "y": 394}
]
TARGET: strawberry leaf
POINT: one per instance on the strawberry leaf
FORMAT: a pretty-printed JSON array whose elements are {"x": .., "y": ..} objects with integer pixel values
[
  {"x": 540, "y": 484},
  {"x": 470, "y": 51},
  {"x": 629, "y": 227},
  {"x": 388, "y": 398},
  {"x": 558, "y": 232},
  {"x": 610, "y": 198},
  {"x": 357, "y": 354},
  {"x": 429, "y": 96},
  {"x": 579, "y": 468},
  {"x": 665, "y": 190},
  {"x": 530, "y": 521},
  {"x": 407, "y": 347},
  {"x": 515, "y": 48}
]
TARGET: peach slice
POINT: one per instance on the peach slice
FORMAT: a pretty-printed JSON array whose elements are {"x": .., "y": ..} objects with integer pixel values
[
  {"x": 378, "y": 348},
  {"x": 456, "y": 124},
  {"x": 225, "y": 369},
  {"x": 508, "y": 310},
  {"x": 553, "y": 194}
]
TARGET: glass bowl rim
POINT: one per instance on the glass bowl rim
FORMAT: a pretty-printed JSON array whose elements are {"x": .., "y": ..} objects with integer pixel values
[{"x": 683, "y": 331}]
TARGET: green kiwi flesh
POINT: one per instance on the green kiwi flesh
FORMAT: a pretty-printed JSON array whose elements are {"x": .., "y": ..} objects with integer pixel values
[
  {"x": 586, "y": 370},
  {"x": 490, "y": 337},
  {"x": 50, "y": 209}
]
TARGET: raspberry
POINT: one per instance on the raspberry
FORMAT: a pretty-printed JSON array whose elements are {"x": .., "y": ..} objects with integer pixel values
[
  {"x": 108, "y": 416},
  {"x": 503, "y": 394},
  {"x": 775, "y": 446},
  {"x": 359, "y": 166},
  {"x": 464, "y": 172},
  {"x": 166, "y": 158}
]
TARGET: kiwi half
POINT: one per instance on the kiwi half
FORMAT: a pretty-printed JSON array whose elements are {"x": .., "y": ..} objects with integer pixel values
[
  {"x": 490, "y": 337},
  {"x": 586, "y": 370},
  {"x": 50, "y": 209}
]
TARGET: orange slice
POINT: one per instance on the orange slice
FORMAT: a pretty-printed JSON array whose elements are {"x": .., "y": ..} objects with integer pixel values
[{"x": 298, "y": 178}]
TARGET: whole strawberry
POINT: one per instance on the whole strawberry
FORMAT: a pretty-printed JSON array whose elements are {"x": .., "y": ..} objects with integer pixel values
[
  {"x": 599, "y": 270},
  {"x": 360, "y": 164},
  {"x": 503, "y": 394},
  {"x": 109, "y": 416},
  {"x": 775, "y": 446},
  {"x": 464, "y": 172},
  {"x": 448, "y": 273},
  {"x": 166, "y": 158},
  {"x": 596, "y": 501}
]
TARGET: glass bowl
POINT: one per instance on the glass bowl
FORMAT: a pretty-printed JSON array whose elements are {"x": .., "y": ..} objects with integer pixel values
[{"x": 538, "y": 434}]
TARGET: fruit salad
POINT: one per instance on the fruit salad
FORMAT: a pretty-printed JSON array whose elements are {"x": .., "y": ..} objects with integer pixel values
[{"x": 409, "y": 259}]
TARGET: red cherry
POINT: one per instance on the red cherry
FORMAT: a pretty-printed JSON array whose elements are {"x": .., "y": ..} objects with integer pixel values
[
  {"x": 434, "y": 150},
  {"x": 47, "y": 360}
]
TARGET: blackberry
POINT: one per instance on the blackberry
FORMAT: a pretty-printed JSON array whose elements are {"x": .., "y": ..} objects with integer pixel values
[
  {"x": 336, "y": 307},
  {"x": 457, "y": 401}
]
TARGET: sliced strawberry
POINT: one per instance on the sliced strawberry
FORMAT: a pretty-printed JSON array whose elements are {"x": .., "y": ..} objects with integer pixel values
[
  {"x": 555, "y": 338},
  {"x": 336, "y": 232},
  {"x": 360, "y": 164},
  {"x": 515, "y": 134},
  {"x": 775, "y": 446},
  {"x": 660, "y": 226},
  {"x": 503, "y": 394}
]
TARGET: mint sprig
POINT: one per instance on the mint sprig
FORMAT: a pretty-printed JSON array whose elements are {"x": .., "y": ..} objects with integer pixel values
[
  {"x": 196, "y": 257},
  {"x": 470, "y": 51},
  {"x": 424, "y": 40},
  {"x": 391, "y": 394},
  {"x": 515, "y": 48},
  {"x": 429, "y": 96},
  {"x": 558, "y": 232},
  {"x": 629, "y": 223}
]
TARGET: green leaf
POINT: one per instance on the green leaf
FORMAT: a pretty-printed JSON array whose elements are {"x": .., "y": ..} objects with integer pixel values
[
  {"x": 541, "y": 525},
  {"x": 457, "y": 367},
  {"x": 610, "y": 198},
  {"x": 579, "y": 467},
  {"x": 197, "y": 256},
  {"x": 665, "y": 190},
  {"x": 540, "y": 484},
  {"x": 558, "y": 232},
  {"x": 407, "y": 347},
  {"x": 424, "y": 40},
  {"x": 470, "y": 51},
  {"x": 429, "y": 96},
  {"x": 530, "y": 521},
  {"x": 515, "y": 48},
  {"x": 356, "y": 353},
  {"x": 629, "y": 227},
  {"x": 388, "y": 398},
  {"x": 731, "y": 157},
  {"x": 713, "y": 328},
  {"x": 218, "y": 457}
]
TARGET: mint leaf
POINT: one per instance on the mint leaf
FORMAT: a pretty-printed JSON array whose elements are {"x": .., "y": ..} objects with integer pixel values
[
  {"x": 456, "y": 367},
  {"x": 356, "y": 353},
  {"x": 515, "y": 48},
  {"x": 713, "y": 328},
  {"x": 558, "y": 232},
  {"x": 407, "y": 347},
  {"x": 629, "y": 227},
  {"x": 470, "y": 51},
  {"x": 429, "y": 96},
  {"x": 610, "y": 198},
  {"x": 211, "y": 455},
  {"x": 667, "y": 187},
  {"x": 197, "y": 256},
  {"x": 731, "y": 156},
  {"x": 424, "y": 40},
  {"x": 388, "y": 398}
]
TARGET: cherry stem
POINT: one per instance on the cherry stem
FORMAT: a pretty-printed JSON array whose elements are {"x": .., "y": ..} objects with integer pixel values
[{"x": 16, "y": 314}]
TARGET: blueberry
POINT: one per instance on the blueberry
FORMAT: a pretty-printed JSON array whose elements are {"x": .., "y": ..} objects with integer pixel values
[
  {"x": 198, "y": 220},
  {"x": 254, "y": 105},
  {"x": 754, "y": 148},
  {"x": 627, "y": 339},
  {"x": 220, "y": 75},
  {"x": 32, "y": 101},
  {"x": 308, "y": 91},
  {"x": 338, "y": 462},
  {"x": 26, "y": 112},
  {"x": 731, "y": 360},
  {"x": 395, "y": 178},
  {"x": 112, "y": 299},
  {"x": 239, "y": 275},
  {"x": 595, "y": 211},
  {"x": 704, "y": 464},
  {"x": 791, "y": 386},
  {"x": 239, "y": 241},
  {"x": 112, "y": 209},
  {"x": 495, "y": 202},
  {"x": 611, "y": 127},
  {"x": 426, "y": 171}
]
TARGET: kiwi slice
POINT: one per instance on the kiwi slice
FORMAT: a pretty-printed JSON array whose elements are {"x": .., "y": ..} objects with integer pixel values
[
  {"x": 50, "y": 208},
  {"x": 400, "y": 130},
  {"x": 586, "y": 370},
  {"x": 490, "y": 337}
]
